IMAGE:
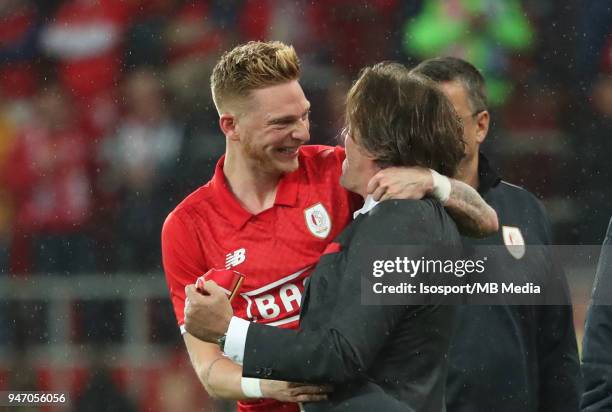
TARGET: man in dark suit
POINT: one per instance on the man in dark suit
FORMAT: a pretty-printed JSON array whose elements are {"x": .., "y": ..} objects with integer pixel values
[
  {"x": 378, "y": 356},
  {"x": 506, "y": 357}
]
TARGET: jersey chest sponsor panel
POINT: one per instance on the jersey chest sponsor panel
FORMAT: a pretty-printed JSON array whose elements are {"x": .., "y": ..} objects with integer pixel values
[{"x": 276, "y": 252}]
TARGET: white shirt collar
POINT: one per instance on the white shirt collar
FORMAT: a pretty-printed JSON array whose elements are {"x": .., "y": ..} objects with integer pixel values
[{"x": 368, "y": 205}]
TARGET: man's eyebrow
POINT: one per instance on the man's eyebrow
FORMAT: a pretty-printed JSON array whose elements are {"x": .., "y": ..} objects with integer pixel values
[
  {"x": 288, "y": 119},
  {"x": 281, "y": 120}
]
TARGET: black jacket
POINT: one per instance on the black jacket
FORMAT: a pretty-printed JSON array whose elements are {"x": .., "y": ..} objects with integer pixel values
[
  {"x": 375, "y": 355},
  {"x": 514, "y": 358},
  {"x": 597, "y": 342}
]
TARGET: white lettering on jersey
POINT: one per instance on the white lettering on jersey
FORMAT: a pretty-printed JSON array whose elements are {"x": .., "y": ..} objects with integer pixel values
[
  {"x": 267, "y": 307},
  {"x": 285, "y": 297},
  {"x": 235, "y": 258},
  {"x": 289, "y": 294}
]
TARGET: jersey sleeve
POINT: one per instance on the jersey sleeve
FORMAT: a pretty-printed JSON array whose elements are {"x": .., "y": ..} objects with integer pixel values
[{"x": 182, "y": 259}]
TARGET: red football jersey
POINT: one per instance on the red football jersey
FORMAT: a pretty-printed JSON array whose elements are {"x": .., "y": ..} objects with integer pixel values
[{"x": 276, "y": 250}]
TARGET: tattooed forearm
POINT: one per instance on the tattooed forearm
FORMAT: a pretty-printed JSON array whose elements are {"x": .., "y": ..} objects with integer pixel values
[{"x": 474, "y": 217}]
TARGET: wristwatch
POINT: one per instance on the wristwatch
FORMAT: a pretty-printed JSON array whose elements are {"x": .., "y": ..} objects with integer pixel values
[{"x": 221, "y": 342}]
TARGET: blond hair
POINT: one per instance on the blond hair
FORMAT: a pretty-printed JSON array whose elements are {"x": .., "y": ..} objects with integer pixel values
[{"x": 252, "y": 66}]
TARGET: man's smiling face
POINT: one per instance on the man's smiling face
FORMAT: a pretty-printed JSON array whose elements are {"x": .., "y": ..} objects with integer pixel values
[{"x": 275, "y": 124}]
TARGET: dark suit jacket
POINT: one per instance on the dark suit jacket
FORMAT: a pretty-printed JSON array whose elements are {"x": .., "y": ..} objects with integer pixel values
[
  {"x": 380, "y": 353},
  {"x": 597, "y": 343}
]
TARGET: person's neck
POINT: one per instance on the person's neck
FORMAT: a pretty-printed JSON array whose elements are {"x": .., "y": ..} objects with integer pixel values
[
  {"x": 254, "y": 188},
  {"x": 362, "y": 191},
  {"x": 467, "y": 172},
  {"x": 369, "y": 174}
]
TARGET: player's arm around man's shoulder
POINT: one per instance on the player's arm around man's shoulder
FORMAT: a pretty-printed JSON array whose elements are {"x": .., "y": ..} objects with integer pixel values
[{"x": 474, "y": 217}]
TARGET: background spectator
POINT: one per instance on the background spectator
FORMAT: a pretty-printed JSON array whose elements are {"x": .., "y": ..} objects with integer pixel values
[
  {"x": 48, "y": 176},
  {"x": 484, "y": 32},
  {"x": 141, "y": 159}
]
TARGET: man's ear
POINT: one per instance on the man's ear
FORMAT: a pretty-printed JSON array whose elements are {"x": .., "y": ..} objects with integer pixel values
[
  {"x": 482, "y": 123},
  {"x": 227, "y": 123},
  {"x": 371, "y": 159}
]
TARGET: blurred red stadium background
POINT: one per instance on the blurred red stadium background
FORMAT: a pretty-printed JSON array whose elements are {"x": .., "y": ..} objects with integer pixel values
[{"x": 106, "y": 123}]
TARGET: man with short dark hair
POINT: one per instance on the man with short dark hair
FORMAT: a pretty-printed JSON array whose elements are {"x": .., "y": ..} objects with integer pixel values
[
  {"x": 378, "y": 356},
  {"x": 505, "y": 358}
]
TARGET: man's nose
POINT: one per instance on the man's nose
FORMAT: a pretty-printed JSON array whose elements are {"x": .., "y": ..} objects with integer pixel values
[{"x": 301, "y": 131}]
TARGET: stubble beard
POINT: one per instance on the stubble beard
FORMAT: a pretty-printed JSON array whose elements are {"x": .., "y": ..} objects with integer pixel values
[{"x": 262, "y": 161}]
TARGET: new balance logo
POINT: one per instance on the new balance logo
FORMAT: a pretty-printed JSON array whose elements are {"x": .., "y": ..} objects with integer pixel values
[{"x": 235, "y": 258}]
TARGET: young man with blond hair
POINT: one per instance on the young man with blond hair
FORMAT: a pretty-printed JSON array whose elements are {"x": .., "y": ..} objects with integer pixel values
[{"x": 270, "y": 210}]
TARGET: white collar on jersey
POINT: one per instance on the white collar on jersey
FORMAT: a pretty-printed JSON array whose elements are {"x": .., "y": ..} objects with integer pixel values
[{"x": 368, "y": 205}]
